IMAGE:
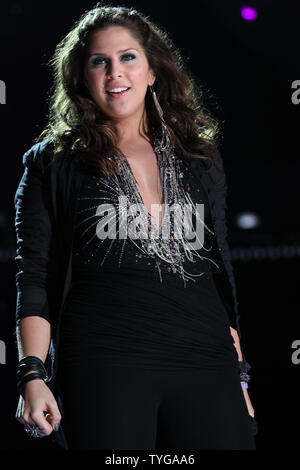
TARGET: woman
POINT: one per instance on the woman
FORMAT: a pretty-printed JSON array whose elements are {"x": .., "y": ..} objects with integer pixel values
[{"x": 123, "y": 178}]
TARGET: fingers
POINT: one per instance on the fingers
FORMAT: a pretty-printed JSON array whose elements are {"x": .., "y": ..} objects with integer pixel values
[
  {"x": 39, "y": 420},
  {"x": 54, "y": 417},
  {"x": 45, "y": 415},
  {"x": 35, "y": 417},
  {"x": 27, "y": 420}
]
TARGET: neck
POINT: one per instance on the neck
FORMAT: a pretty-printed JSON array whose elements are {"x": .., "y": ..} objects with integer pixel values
[{"x": 132, "y": 129}]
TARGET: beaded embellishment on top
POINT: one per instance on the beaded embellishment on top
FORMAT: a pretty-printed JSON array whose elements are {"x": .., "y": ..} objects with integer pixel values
[{"x": 165, "y": 244}]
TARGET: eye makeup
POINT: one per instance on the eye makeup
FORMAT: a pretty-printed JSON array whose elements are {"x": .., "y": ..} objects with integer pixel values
[{"x": 95, "y": 60}]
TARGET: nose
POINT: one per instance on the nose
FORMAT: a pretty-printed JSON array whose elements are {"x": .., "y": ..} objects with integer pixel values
[{"x": 114, "y": 69}]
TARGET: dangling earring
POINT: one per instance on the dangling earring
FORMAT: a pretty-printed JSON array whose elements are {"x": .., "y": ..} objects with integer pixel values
[{"x": 166, "y": 136}]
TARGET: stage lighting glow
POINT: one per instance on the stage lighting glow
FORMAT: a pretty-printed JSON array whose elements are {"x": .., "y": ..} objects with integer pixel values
[
  {"x": 248, "y": 13},
  {"x": 248, "y": 220}
]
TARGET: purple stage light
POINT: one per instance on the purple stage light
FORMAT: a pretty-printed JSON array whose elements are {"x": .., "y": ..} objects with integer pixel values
[{"x": 248, "y": 13}]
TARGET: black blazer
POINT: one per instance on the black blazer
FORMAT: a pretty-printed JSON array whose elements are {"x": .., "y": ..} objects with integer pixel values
[{"x": 45, "y": 205}]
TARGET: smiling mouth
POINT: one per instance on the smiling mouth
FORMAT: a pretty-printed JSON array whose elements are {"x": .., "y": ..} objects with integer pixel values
[{"x": 116, "y": 94}]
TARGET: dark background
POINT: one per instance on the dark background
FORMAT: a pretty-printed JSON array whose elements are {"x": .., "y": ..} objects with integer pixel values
[{"x": 247, "y": 70}]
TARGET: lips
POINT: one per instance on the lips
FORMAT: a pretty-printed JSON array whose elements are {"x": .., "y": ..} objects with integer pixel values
[{"x": 117, "y": 94}]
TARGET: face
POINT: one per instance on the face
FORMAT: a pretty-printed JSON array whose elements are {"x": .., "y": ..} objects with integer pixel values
[{"x": 116, "y": 60}]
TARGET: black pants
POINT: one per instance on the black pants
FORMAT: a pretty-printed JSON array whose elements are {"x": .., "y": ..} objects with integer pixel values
[{"x": 128, "y": 408}]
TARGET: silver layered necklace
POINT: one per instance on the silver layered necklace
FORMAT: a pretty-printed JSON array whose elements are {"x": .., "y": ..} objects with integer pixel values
[{"x": 160, "y": 242}]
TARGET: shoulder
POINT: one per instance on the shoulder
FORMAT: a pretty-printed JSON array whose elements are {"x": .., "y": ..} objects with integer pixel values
[
  {"x": 37, "y": 155},
  {"x": 41, "y": 155},
  {"x": 214, "y": 169}
]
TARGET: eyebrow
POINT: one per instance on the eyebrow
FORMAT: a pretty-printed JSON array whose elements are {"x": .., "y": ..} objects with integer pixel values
[{"x": 123, "y": 50}]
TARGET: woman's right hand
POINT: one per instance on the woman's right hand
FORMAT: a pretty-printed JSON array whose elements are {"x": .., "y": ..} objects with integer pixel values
[{"x": 36, "y": 397}]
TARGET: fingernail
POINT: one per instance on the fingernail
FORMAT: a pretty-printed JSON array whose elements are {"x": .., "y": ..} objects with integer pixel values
[{"x": 56, "y": 426}]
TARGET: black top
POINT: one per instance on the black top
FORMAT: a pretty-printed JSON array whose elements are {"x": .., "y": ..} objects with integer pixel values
[{"x": 129, "y": 308}]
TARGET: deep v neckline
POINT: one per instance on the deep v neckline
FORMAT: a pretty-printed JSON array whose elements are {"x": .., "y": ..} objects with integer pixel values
[{"x": 150, "y": 217}]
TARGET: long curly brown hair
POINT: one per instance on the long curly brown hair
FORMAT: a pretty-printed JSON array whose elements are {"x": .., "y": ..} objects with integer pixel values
[{"x": 75, "y": 121}]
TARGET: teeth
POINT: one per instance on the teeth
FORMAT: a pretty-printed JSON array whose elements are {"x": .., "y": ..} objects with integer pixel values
[{"x": 117, "y": 90}]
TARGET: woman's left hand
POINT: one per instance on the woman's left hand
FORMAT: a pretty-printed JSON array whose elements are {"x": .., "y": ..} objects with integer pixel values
[{"x": 248, "y": 402}]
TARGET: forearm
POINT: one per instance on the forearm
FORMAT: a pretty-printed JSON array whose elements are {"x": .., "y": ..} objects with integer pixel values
[
  {"x": 237, "y": 345},
  {"x": 33, "y": 337}
]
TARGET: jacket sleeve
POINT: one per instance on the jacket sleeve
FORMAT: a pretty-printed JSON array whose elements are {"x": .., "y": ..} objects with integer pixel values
[
  {"x": 221, "y": 223},
  {"x": 35, "y": 249}
]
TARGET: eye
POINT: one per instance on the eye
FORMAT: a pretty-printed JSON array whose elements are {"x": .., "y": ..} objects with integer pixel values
[
  {"x": 98, "y": 61},
  {"x": 128, "y": 55}
]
